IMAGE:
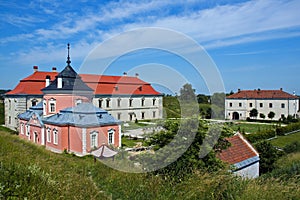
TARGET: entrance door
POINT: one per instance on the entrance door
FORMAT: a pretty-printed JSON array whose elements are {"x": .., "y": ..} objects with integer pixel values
[{"x": 235, "y": 116}]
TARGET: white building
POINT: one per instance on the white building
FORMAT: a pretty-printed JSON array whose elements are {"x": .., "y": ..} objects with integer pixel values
[
  {"x": 126, "y": 98},
  {"x": 239, "y": 105}
]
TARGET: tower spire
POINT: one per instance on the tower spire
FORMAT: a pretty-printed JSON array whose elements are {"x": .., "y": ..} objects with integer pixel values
[{"x": 68, "y": 58}]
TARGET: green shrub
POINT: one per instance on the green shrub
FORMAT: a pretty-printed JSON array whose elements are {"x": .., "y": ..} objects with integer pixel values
[
  {"x": 289, "y": 128},
  {"x": 293, "y": 147}
]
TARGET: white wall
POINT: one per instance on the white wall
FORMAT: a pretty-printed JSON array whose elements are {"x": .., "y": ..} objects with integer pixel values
[{"x": 251, "y": 171}]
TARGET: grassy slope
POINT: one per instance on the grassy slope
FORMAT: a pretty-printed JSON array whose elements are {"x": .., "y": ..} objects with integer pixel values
[
  {"x": 27, "y": 170},
  {"x": 282, "y": 141}
]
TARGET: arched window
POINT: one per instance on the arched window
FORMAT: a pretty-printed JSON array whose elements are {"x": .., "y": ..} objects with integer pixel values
[
  {"x": 55, "y": 136},
  {"x": 111, "y": 133},
  {"x": 48, "y": 134},
  {"x": 94, "y": 139},
  {"x": 27, "y": 130}
]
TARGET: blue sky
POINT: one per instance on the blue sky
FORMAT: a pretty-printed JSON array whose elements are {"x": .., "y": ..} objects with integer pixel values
[{"x": 254, "y": 44}]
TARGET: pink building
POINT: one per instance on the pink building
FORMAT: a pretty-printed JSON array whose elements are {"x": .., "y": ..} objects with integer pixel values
[{"x": 67, "y": 120}]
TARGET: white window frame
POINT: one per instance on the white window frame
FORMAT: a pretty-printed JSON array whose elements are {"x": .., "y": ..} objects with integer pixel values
[
  {"x": 48, "y": 133},
  {"x": 52, "y": 101},
  {"x": 111, "y": 136},
  {"x": 93, "y": 143},
  {"x": 55, "y": 136}
]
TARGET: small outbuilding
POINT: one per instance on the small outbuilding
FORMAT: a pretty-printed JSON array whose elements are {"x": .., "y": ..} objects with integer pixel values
[{"x": 242, "y": 156}]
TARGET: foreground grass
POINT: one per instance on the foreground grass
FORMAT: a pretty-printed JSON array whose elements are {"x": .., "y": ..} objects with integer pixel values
[
  {"x": 29, "y": 171},
  {"x": 282, "y": 141}
]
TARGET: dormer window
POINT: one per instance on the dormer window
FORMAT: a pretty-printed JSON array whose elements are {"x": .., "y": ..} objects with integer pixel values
[{"x": 78, "y": 101}]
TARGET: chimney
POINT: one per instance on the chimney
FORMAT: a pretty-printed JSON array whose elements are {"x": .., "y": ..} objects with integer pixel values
[
  {"x": 35, "y": 68},
  {"x": 280, "y": 89},
  {"x": 239, "y": 90},
  {"x": 125, "y": 74},
  {"x": 137, "y": 75},
  {"x": 47, "y": 80},
  {"x": 53, "y": 69},
  {"x": 59, "y": 82}
]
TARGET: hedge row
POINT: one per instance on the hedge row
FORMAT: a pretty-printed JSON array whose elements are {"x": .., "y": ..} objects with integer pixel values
[
  {"x": 262, "y": 135},
  {"x": 288, "y": 128},
  {"x": 266, "y": 134}
]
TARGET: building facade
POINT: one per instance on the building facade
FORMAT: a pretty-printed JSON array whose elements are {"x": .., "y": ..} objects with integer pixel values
[
  {"x": 282, "y": 104},
  {"x": 66, "y": 120},
  {"x": 126, "y": 98}
]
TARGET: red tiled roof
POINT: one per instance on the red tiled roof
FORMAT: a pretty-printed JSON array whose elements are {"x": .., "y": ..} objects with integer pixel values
[
  {"x": 101, "y": 84},
  {"x": 107, "y": 85},
  {"x": 261, "y": 94},
  {"x": 239, "y": 150},
  {"x": 32, "y": 84}
]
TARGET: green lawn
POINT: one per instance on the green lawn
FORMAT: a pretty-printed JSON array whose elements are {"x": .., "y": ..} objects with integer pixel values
[
  {"x": 282, "y": 141},
  {"x": 126, "y": 142},
  {"x": 250, "y": 128}
]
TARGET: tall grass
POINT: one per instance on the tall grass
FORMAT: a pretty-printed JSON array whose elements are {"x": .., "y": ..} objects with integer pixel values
[{"x": 30, "y": 171}]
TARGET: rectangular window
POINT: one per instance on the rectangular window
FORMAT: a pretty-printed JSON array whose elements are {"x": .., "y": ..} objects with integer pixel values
[
  {"x": 261, "y": 105},
  {"x": 250, "y": 105},
  {"x": 143, "y": 115},
  {"x": 52, "y": 107},
  {"x": 153, "y": 114},
  {"x": 282, "y": 105},
  {"x": 48, "y": 135},
  {"x": 27, "y": 130},
  {"x": 55, "y": 136},
  {"x": 94, "y": 139},
  {"x": 33, "y": 103},
  {"x": 240, "y": 104},
  {"x": 119, "y": 102},
  {"x": 107, "y": 103},
  {"x": 111, "y": 136},
  {"x": 100, "y": 103},
  {"x": 130, "y": 102},
  {"x": 143, "y": 102},
  {"x": 119, "y": 116},
  {"x": 270, "y": 105},
  {"x": 9, "y": 119},
  {"x": 230, "y": 104},
  {"x": 153, "y": 102}
]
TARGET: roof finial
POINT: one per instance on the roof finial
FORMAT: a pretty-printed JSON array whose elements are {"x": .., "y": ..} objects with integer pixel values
[{"x": 68, "y": 58}]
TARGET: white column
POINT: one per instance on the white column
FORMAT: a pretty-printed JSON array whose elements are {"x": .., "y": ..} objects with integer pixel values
[
  {"x": 83, "y": 141},
  {"x": 43, "y": 136}
]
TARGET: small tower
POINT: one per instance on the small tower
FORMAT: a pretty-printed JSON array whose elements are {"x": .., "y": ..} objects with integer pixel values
[{"x": 65, "y": 90}]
